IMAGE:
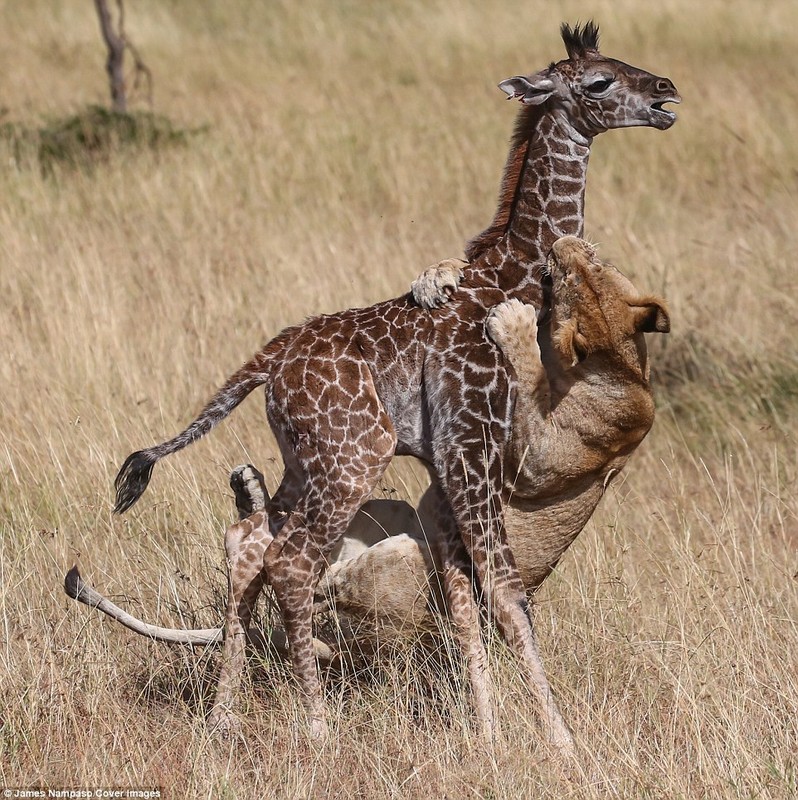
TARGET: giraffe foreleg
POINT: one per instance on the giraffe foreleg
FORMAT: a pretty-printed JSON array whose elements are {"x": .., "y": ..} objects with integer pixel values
[
  {"x": 502, "y": 590},
  {"x": 478, "y": 511},
  {"x": 458, "y": 591},
  {"x": 512, "y": 614}
]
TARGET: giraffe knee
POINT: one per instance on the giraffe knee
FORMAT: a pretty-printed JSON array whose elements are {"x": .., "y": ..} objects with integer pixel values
[
  {"x": 246, "y": 533},
  {"x": 245, "y": 545},
  {"x": 293, "y": 568},
  {"x": 234, "y": 537}
]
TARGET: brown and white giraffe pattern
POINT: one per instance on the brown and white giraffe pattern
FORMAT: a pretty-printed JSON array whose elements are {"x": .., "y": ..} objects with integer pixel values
[{"x": 347, "y": 391}]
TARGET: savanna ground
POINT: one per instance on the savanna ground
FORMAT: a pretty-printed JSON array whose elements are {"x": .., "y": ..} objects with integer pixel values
[{"x": 341, "y": 148}]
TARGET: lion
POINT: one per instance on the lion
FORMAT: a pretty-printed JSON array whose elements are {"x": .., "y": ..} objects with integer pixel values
[{"x": 584, "y": 405}]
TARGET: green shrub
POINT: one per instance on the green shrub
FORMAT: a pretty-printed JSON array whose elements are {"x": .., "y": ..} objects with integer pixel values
[{"x": 90, "y": 137}]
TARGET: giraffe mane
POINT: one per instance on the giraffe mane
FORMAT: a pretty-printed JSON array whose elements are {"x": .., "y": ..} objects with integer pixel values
[
  {"x": 525, "y": 124},
  {"x": 580, "y": 39}
]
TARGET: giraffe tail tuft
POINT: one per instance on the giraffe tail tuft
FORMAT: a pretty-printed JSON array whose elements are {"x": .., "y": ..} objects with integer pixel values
[{"x": 132, "y": 479}]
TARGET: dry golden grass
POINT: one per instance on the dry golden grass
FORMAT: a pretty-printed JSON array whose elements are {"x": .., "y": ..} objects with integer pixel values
[{"x": 347, "y": 147}]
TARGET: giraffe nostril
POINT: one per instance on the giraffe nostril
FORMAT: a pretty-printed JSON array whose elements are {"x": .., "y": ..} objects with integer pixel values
[{"x": 664, "y": 86}]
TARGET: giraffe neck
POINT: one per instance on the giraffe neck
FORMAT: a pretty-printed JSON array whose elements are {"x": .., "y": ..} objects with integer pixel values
[{"x": 542, "y": 199}]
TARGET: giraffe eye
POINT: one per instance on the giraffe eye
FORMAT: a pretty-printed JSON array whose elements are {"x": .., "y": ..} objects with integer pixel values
[{"x": 600, "y": 85}]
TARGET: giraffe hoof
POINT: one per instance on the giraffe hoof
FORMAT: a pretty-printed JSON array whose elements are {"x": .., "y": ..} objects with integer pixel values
[
  {"x": 250, "y": 489},
  {"x": 224, "y": 725},
  {"x": 561, "y": 741},
  {"x": 489, "y": 732},
  {"x": 513, "y": 322},
  {"x": 318, "y": 732},
  {"x": 436, "y": 285}
]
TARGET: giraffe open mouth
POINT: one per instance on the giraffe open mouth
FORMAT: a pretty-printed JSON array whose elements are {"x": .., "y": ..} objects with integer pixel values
[{"x": 663, "y": 118}]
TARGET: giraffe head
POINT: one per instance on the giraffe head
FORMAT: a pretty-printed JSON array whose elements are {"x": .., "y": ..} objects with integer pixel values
[{"x": 592, "y": 93}]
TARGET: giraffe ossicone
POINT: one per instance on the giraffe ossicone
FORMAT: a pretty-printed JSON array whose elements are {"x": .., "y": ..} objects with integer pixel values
[{"x": 347, "y": 391}]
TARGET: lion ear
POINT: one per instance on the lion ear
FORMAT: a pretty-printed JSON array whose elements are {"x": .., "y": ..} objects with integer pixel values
[
  {"x": 571, "y": 343},
  {"x": 650, "y": 315}
]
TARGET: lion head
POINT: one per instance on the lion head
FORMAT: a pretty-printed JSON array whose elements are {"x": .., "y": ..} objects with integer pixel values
[{"x": 596, "y": 310}]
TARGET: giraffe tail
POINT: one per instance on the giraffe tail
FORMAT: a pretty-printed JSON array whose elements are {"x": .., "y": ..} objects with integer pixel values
[{"x": 135, "y": 473}]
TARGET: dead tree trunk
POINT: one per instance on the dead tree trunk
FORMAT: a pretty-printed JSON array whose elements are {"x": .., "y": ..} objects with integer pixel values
[
  {"x": 116, "y": 53},
  {"x": 117, "y": 42}
]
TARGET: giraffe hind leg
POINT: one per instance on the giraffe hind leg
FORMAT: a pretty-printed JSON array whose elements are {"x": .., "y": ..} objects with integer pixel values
[
  {"x": 245, "y": 544},
  {"x": 340, "y": 479},
  {"x": 463, "y": 611}
]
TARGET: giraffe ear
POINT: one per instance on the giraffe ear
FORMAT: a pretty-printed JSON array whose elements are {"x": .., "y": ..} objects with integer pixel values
[{"x": 531, "y": 91}]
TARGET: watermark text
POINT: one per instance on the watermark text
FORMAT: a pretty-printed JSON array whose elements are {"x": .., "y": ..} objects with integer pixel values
[{"x": 81, "y": 793}]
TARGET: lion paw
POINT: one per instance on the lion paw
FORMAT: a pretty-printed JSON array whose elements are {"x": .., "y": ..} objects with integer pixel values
[
  {"x": 437, "y": 284},
  {"x": 513, "y": 324}
]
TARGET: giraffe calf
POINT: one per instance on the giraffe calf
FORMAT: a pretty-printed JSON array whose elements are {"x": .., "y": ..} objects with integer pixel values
[
  {"x": 583, "y": 407},
  {"x": 346, "y": 391}
]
